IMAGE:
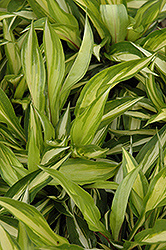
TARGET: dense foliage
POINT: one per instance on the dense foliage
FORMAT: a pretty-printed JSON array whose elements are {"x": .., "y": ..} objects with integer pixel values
[{"x": 82, "y": 124}]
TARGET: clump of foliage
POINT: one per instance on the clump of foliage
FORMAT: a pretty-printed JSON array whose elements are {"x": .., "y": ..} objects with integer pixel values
[{"x": 82, "y": 125}]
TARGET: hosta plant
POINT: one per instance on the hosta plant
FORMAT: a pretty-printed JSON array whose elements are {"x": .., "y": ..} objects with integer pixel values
[{"x": 82, "y": 134}]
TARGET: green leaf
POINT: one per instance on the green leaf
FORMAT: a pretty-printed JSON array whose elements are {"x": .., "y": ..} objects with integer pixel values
[
  {"x": 35, "y": 140},
  {"x": 156, "y": 192},
  {"x": 90, "y": 151},
  {"x": 154, "y": 92},
  {"x": 11, "y": 169},
  {"x": 84, "y": 171},
  {"x": 49, "y": 131},
  {"x": 42, "y": 179},
  {"x": 63, "y": 126},
  {"x": 117, "y": 107},
  {"x": 120, "y": 201},
  {"x": 152, "y": 150},
  {"x": 34, "y": 69},
  {"x": 93, "y": 11},
  {"x": 15, "y": 5},
  {"x": 66, "y": 22},
  {"x": 52, "y": 153},
  {"x": 10, "y": 225},
  {"x": 155, "y": 40},
  {"x": 23, "y": 238},
  {"x": 155, "y": 235},
  {"x": 88, "y": 121},
  {"x": 38, "y": 230},
  {"x": 33, "y": 153},
  {"x": 80, "y": 64},
  {"x": 103, "y": 185},
  {"x": 63, "y": 247},
  {"x": 7, "y": 116},
  {"x": 11, "y": 49},
  {"x": 82, "y": 199},
  {"x": 148, "y": 13},
  {"x": 107, "y": 79},
  {"x": 6, "y": 241},
  {"x": 115, "y": 18},
  {"x": 131, "y": 164},
  {"x": 55, "y": 69},
  {"x": 161, "y": 116}
]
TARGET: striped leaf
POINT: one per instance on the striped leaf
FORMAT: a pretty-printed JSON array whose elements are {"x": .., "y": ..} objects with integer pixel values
[
  {"x": 7, "y": 116},
  {"x": 154, "y": 92},
  {"x": 34, "y": 69},
  {"x": 93, "y": 12},
  {"x": 155, "y": 40},
  {"x": 107, "y": 79},
  {"x": 38, "y": 230},
  {"x": 115, "y": 18},
  {"x": 23, "y": 238},
  {"x": 42, "y": 179},
  {"x": 117, "y": 107},
  {"x": 67, "y": 23},
  {"x": 49, "y": 131},
  {"x": 6, "y": 241},
  {"x": 55, "y": 69},
  {"x": 82, "y": 199},
  {"x": 156, "y": 192},
  {"x": 120, "y": 201},
  {"x": 80, "y": 64},
  {"x": 155, "y": 235},
  {"x": 152, "y": 150},
  {"x": 63, "y": 127},
  {"x": 88, "y": 122},
  {"x": 11, "y": 169},
  {"x": 83, "y": 171},
  {"x": 35, "y": 140},
  {"x": 11, "y": 49},
  {"x": 161, "y": 116}
]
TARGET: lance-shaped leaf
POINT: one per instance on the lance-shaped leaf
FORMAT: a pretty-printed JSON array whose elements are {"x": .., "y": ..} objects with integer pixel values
[
  {"x": 155, "y": 235},
  {"x": 107, "y": 79},
  {"x": 35, "y": 140},
  {"x": 49, "y": 131},
  {"x": 34, "y": 69},
  {"x": 11, "y": 49},
  {"x": 86, "y": 124},
  {"x": 83, "y": 171},
  {"x": 23, "y": 238},
  {"x": 115, "y": 18},
  {"x": 38, "y": 230},
  {"x": 161, "y": 116},
  {"x": 156, "y": 192},
  {"x": 155, "y": 40},
  {"x": 55, "y": 68},
  {"x": 10, "y": 167},
  {"x": 116, "y": 108},
  {"x": 153, "y": 90},
  {"x": 148, "y": 13},
  {"x": 152, "y": 149},
  {"x": 82, "y": 199},
  {"x": 63, "y": 126},
  {"x": 7, "y": 116},
  {"x": 66, "y": 22},
  {"x": 7, "y": 242},
  {"x": 42, "y": 179},
  {"x": 92, "y": 8},
  {"x": 120, "y": 201},
  {"x": 131, "y": 164},
  {"x": 80, "y": 64}
]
